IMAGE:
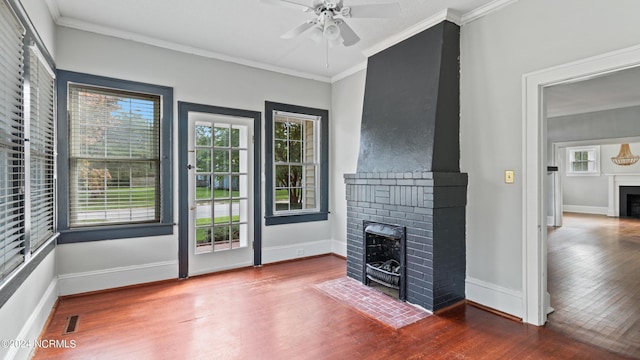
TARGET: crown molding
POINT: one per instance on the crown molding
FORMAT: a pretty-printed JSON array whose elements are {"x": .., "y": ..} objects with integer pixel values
[
  {"x": 443, "y": 15},
  {"x": 485, "y": 10},
  {"x": 126, "y": 35},
  {"x": 54, "y": 9},
  {"x": 361, "y": 66}
]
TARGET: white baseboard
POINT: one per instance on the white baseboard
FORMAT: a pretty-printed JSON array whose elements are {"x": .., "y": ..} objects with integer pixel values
[
  {"x": 300, "y": 250},
  {"x": 214, "y": 269},
  {"x": 550, "y": 221},
  {"x": 494, "y": 296},
  {"x": 116, "y": 277},
  {"x": 598, "y": 210},
  {"x": 35, "y": 323}
]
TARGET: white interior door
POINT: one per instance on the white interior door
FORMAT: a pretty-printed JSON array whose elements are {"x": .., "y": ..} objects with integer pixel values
[{"x": 220, "y": 155}]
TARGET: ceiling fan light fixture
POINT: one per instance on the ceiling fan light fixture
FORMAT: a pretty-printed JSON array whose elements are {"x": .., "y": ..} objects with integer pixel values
[
  {"x": 316, "y": 34},
  {"x": 331, "y": 30},
  {"x": 335, "y": 42},
  {"x": 625, "y": 157}
]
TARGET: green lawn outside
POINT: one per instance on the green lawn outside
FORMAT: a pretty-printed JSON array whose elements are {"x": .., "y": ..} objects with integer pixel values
[
  {"x": 139, "y": 197},
  {"x": 282, "y": 194},
  {"x": 205, "y": 193},
  {"x": 218, "y": 220}
]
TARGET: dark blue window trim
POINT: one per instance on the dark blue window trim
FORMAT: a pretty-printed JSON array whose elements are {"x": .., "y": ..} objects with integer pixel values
[
  {"x": 323, "y": 213},
  {"x": 165, "y": 226}
]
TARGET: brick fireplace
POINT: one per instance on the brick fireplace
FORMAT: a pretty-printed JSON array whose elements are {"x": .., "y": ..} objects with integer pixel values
[{"x": 408, "y": 172}]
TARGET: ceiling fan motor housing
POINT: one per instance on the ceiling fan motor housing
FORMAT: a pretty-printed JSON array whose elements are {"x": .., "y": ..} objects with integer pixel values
[
  {"x": 322, "y": 6},
  {"x": 330, "y": 19}
]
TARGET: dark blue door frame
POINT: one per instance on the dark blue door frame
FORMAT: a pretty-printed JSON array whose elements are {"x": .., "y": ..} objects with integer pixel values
[{"x": 184, "y": 108}]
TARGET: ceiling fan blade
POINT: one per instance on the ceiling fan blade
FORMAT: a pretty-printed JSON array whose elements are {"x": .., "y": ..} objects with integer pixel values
[
  {"x": 372, "y": 11},
  {"x": 292, "y": 4},
  {"x": 349, "y": 36},
  {"x": 297, "y": 30}
]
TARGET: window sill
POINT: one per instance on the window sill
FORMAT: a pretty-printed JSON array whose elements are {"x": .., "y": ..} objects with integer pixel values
[
  {"x": 113, "y": 232},
  {"x": 295, "y": 218}
]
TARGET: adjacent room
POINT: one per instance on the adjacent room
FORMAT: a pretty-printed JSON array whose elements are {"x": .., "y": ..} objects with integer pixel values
[
  {"x": 593, "y": 239},
  {"x": 318, "y": 179}
]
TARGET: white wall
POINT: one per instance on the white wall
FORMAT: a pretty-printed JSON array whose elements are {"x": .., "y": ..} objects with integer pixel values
[
  {"x": 347, "y": 100},
  {"x": 25, "y": 313},
  {"x": 40, "y": 16},
  {"x": 580, "y": 193},
  {"x": 103, "y": 264},
  {"x": 591, "y": 128},
  {"x": 608, "y": 167},
  {"x": 496, "y": 51},
  {"x": 590, "y": 194}
]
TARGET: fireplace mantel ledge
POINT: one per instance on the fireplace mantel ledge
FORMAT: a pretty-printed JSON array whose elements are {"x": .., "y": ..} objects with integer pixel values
[{"x": 615, "y": 181}]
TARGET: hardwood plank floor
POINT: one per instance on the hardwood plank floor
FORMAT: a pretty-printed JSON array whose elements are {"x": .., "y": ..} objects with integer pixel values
[
  {"x": 276, "y": 312},
  {"x": 594, "y": 281}
]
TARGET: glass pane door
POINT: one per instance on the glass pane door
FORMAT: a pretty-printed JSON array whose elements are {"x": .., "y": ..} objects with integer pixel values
[{"x": 221, "y": 177}]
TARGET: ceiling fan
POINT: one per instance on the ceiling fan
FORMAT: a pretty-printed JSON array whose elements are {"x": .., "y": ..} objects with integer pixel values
[{"x": 329, "y": 19}]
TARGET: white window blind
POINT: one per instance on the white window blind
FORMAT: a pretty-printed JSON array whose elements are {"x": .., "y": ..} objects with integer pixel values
[
  {"x": 11, "y": 142},
  {"x": 114, "y": 156},
  {"x": 41, "y": 144}
]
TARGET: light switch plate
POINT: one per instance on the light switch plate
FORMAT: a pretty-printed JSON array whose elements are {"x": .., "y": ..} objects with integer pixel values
[{"x": 508, "y": 176}]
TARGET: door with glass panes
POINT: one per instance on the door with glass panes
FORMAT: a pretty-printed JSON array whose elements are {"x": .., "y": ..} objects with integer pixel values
[{"x": 220, "y": 217}]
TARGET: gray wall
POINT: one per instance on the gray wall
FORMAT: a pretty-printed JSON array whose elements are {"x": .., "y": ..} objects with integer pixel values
[
  {"x": 496, "y": 51},
  {"x": 347, "y": 98},
  {"x": 104, "y": 264}
]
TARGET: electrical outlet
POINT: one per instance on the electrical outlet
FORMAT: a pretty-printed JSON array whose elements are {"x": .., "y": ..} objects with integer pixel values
[{"x": 299, "y": 252}]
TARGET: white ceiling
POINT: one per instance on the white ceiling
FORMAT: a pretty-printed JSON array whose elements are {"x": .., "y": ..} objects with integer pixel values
[
  {"x": 248, "y": 31},
  {"x": 616, "y": 90}
]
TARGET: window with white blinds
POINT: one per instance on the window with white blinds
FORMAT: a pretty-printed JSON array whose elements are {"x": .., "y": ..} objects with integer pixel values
[
  {"x": 12, "y": 227},
  {"x": 41, "y": 148},
  {"x": 114, "y": 156}
]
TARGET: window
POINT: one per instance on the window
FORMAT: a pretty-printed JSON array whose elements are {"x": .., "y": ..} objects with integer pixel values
[
  {"x": 583, "y": 160},
  {"x": 113, "y": 157},
  {"x": 27, "y": 170},
  {"x": 296, "y": 161},
  {"x": 117, "y": 158},
  {"x": 41, "y": 143},
  {"x": 297, "y": 164},
  {"x": 12, "y": 207}
]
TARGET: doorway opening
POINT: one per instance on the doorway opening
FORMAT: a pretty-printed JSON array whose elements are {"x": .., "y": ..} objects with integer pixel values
[
  {"x": 534, "y": 249},
  {"x": 538, "y": 205}
]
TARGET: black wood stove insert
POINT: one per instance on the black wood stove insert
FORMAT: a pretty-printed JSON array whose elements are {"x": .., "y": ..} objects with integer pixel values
[{"x": 384, "y": 256}]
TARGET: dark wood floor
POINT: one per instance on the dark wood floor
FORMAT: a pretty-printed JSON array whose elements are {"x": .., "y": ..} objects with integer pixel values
[
  {"x": 276, "y": 312},
  {"x": 594, "y": 281}
]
